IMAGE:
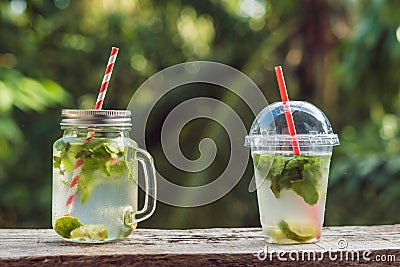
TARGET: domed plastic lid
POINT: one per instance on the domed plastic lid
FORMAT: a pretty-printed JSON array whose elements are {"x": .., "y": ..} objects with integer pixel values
[{"x": 270, "y": 129}]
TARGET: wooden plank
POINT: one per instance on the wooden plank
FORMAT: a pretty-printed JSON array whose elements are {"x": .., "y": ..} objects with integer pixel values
[{"x": 375, "y": 245}]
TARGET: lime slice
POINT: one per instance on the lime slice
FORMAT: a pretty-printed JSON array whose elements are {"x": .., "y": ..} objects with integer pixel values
[
  {"x": 298, "y": 232},
  {"x": 64, "y": 225},
  {"x": 90, "y": 231},
  {"x": 276, "y": 235}
]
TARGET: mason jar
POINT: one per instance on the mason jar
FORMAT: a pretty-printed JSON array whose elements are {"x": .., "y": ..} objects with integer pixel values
[{"x": 95, "y": 177}]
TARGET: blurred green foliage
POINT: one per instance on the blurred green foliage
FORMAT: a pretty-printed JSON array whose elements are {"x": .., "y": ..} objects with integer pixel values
[{"x": 341, "y": 55}]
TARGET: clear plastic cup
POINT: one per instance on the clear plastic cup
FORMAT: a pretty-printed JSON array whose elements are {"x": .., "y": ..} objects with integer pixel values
[{"x": 291, "y": 189}]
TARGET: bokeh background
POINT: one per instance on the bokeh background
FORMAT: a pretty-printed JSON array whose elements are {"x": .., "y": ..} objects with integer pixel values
[{"x": 341, "y": 55}]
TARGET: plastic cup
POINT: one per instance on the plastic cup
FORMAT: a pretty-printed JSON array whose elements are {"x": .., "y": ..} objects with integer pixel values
[{"x": 291, "y": 189}]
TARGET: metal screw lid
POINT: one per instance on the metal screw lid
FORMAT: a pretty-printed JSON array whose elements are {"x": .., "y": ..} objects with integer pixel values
[{"x": 92, "y": 117}]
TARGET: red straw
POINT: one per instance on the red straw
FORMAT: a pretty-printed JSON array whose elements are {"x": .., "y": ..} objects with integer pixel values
[
  {"x": 292, "y": 131},
  {"x": 286, "y": 108},
  {"x": 106, "y": 78},
  {"x": 90, "y": 136}
]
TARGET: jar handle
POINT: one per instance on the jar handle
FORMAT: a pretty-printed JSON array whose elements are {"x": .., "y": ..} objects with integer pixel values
[{"x": 150, "y": 189}]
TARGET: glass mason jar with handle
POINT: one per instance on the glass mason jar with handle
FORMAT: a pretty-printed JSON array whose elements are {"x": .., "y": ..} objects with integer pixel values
[{"x": 95, "y": 177}]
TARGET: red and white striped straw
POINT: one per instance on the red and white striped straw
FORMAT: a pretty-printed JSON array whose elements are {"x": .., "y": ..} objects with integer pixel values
[
  {"x": 106, "y": 78},
  {"x": 72, "y": 186},
  {"x": 99, "y": 104}
]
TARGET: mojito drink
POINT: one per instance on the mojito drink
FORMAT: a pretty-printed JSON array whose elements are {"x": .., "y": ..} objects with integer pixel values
[
  {"x": 291, "y": 193},
  {"x": 92, "y": 198}
]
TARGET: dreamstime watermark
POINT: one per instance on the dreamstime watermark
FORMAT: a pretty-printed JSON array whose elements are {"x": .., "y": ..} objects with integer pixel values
[
  {"x": 340, "y": 253},
  {"x": 156, "y": 87}
]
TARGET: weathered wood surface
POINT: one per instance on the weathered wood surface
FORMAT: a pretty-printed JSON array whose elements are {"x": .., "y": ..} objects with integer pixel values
[{"x": 374, "y": 245}]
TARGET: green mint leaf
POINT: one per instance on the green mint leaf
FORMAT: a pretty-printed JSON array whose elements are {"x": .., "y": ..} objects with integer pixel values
[
  {"x": 293, "y": 169},
  {"x": 307, "y": 188},
  {"x": 57, "y": 162},
  {"x": 112, "y": 148},
  {"x": 68, "y": 156},
  {"x": 60, "y": 145},
  {"x": 302, "y": 174},
  {"x": 290, "y": 171},
  {"x": 102, "y": 158},
  {"x": 278, "y": 165},
  {"x": 117, "y": 169},
  {"x": 86, "y": 181}
]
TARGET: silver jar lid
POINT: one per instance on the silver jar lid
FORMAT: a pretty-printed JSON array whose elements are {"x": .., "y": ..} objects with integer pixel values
[{"x": 92, "y": 117}]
